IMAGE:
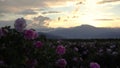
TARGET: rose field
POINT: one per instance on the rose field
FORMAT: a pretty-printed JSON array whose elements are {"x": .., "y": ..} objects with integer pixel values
[{"x": 25, "y": 48}]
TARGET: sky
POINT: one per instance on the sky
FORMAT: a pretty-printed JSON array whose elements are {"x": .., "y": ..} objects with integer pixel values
[{"x": 61, "y": 13}]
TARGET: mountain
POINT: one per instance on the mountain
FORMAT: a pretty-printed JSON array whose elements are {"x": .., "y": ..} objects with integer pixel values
[
  {"x": 50, "y": 36},
  {"x": 84, "y": 32}
]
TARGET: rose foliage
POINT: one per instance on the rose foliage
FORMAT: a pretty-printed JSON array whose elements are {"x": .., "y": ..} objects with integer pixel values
[{"x": 25, "y": 48}]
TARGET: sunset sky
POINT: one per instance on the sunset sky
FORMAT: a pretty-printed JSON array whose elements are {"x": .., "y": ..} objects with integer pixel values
[{"x": 61, "y": 13}]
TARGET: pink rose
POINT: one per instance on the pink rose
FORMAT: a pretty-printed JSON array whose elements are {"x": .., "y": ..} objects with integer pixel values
[
  {"x": 61, "y": 63},
  {"x": 59, "y": 41},
  {"x": 30, "y": 34},
  {"x": 94, "y": 65},
  {"x": 76, "y": 49},
  {"x": 60, "y": 50},
  {"x": 38, "y": 44},
  {"x": 20, "y": 24}
]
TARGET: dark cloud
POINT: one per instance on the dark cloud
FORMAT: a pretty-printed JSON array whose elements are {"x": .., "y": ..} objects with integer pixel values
[
  {"x": 2, "y": 15},
  {"x": 27, "y": 12},
  {"x": 107, "y": 1},
  {"x": 22, "y": 3},
  {"x": 65, "y": 20},
  {"x": 75, "y": 16},
  {"x": 59, "y": 18},
  {"x": 79, "y": 3},
  {"x": 104, "y": 19},
  {"x": 11, "y": 23},
  {"x": 50, "y": 12},
  {"x": 17, "y": 5},
  {"x": 41, "y": 20},
  {"x": 3, "y": 11},
  {"x": 29, "y": 22}
]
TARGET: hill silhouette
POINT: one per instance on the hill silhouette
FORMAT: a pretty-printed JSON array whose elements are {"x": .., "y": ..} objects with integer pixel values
[{"x": 84, "y": 32}]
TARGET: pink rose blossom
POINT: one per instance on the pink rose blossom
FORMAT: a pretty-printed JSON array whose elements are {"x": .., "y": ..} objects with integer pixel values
[
  {"x": 114, "y": 53},
  {"x": 108, "y": 50},
  {"x": 76, "y": 49},
  {"x": 30, "y": 34},
  {"x": 94, "y": 65},
  {"x": 38, "y": 44},
  {"x": 59, "y": 41},
  {"x": 20, "y": 24},
  {"x": 61, "y": 63},
  {"x": 60, "y": 50},
  {"x": 112, "y": 46}
]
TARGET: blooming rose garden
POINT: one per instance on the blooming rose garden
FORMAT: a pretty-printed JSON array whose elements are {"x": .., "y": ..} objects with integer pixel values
[{"x": 24, "y": 48}]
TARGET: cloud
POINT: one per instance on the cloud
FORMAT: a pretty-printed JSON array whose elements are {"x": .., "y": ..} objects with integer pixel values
[
  {"x": 6, "y": 23},
  {"x": 25, "y": 7},
  {"x": 104, "y": 19},
  {"x": 75, "y": 16},
  {"x": 41, "y": 21},
  {"x": 18, "y": 5},
  {"x": 59, "y": 18},
  {"x": 11, "y": 23},
  {"x": 23, "y": 4},
  {"x": 27, "y": 12},
  {"x": 107, "y": 1},
  {"x": 80, "y": 2},
  {"x": 1, "y": 15},
  {"x": 118, "y": 18},
  {"x": 2, "y": 10},
  {"x": 50, "y": 12},
  {"x": 30, "y": 24}
]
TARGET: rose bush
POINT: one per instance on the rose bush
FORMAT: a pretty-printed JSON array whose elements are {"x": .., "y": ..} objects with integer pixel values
[{"x": 24, "y": 48}]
